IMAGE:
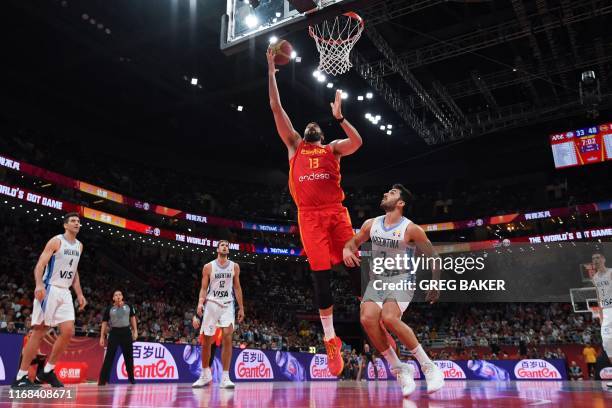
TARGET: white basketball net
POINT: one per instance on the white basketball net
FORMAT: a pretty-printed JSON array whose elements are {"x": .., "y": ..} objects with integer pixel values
[{"x": 335, "y": 40}]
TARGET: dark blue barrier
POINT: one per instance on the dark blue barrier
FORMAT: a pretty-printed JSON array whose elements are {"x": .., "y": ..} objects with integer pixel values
[
  {"x": 182, "y": 363},
  {"x": 10, "y": 350}
]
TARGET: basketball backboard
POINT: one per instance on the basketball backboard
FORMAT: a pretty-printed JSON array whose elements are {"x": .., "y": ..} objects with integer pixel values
[{"x": 247, "y": 20}]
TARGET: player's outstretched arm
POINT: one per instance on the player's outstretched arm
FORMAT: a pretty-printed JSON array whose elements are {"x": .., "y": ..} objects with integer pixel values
[
  {"x": 238, "y": 292},
  {"x": 283, "y": 124},
  {"x": 52, "y": 246},
  {"x": 203, "y": 288},
  {"x": 349, "y": 253},
  {"x": 347, "y": 146}
]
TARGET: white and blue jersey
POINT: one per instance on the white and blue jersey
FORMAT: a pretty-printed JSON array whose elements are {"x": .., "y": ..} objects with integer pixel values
[
  {"x": 57, "y": 306},
  {"x": 62, "y": 266},
  {"x": 221, "y": 283},
  {"x": 390, "y": 284},
  {"x": 388, "y": 243}
]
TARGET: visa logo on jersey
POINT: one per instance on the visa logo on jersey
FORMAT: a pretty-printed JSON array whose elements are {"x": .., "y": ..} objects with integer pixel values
[{"x": 66, "y": 274}]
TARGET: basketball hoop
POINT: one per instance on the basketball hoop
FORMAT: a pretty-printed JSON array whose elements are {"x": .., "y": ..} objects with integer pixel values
[{"x": 335, "y": 40}]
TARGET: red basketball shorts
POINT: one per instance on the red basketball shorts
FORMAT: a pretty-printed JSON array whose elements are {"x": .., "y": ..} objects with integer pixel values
[{"x": 324, "y": 231}]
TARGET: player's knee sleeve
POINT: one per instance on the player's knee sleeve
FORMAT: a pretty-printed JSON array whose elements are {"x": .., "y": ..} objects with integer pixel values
[{"x": 322, "y": 290}]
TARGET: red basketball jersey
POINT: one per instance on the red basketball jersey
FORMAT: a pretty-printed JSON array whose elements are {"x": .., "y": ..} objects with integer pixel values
[{"x": 314, "y": 176}]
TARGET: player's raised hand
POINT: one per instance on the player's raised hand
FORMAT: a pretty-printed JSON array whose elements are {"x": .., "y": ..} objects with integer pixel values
[
  {"x": 271, "y": 65},
  {"x": 82, "y": 302},
  {"x": 432, "y": 296},
  {"x": 40, "y": 292},
  {"x": 350, "y": 258},
  {"x": 336, "y": 106}
]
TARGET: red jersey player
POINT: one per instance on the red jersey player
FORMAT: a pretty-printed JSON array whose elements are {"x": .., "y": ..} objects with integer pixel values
[{"x": 314, "y": 183}]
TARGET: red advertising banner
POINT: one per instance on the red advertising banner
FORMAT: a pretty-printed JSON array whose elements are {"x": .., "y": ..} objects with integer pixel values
[
  {"x": 135, "y": 226},
  {"x": 83, "y": 356},
  {"x": 130, "y": 225},
  {"x": 248, "y": 225},
  {"x": 106, "y": 194}
]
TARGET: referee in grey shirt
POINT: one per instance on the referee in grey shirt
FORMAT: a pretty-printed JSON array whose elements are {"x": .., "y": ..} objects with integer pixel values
[{"x": 121, "y": 317}]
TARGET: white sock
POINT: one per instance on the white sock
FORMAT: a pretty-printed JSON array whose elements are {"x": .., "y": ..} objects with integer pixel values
[
  {"x": 225, "y": 375},
  {"x": 328, "y": 327},
  {"x": 421, "y": 356},
  {"x": 391, "y": 357},
  {"x": 206, "y": 372},
  {"x": 49, "y": 367},
  {"x": 21, "y": 373}
]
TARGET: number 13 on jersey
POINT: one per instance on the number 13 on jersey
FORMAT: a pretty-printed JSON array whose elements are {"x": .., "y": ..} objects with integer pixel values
[{"x": 314, "y": 162}]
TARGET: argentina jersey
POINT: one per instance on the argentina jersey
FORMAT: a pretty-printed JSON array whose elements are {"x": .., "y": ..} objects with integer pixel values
[
  {"x": 388, "y": 243},
  {"x": 62, "y": 267},
  {"x": 221, "y": 284},
  {"x": 603, "y": 284}
]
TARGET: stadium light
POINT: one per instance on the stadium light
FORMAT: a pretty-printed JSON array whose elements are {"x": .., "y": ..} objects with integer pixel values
[
  {"x": 369, "y": 95},
  {"x": 240, "y": 108},
  {"x": 194, "y": 81},
  {"x": 273, "y": 39},
  {"x": 330, "y": 85},
  {"x": 293, "y": 55},
  {"x": 251, "y": 21},
  {"x": 344, "y": 95},
  {"x": 360, "y": 98},
  {"x": 389, "y": 132}
]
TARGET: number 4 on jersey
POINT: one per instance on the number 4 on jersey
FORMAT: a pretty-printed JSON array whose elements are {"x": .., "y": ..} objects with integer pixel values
[{"x": 67, "y": 274}]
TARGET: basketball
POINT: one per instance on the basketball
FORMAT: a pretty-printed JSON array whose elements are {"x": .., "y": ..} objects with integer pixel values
[{"x": 282, "y": 52}]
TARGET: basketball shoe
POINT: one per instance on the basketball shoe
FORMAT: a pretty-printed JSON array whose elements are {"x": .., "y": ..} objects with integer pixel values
[
  {"x": 405, "y": 376},
  {"x": 205, "y": 379},
  {"x": 335, "y": 362}
]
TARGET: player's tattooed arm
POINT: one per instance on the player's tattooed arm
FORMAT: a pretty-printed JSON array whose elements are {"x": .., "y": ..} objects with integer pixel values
[{"x": 349, "y": 253}]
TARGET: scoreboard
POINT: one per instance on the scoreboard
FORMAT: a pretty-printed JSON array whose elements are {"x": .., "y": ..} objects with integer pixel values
[{"x": 582, "y": 146}]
